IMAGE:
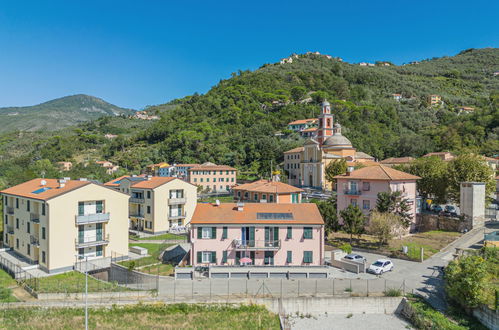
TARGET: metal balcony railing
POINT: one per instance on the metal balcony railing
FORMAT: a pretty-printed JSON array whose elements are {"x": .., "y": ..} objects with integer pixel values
[
  {"x": 34, "y": 240},
  {"x": 176, "y": 201},
  {"x": 89, "y": 241},
  {"x": 176, "y": 216},
  {"x": 35, "y": 217},
  {"x": 256, "y": 244},
  {"x": 10, "y": 230},
  {"x": 352, "y": 192},
  {"x": 136, "y": 200},
  {"x": 10, "y": 210},
  {"x": 92, "y": 218}
]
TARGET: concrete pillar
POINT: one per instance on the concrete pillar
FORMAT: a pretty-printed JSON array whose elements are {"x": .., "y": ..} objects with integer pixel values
[{"x": 472, "y": 202}]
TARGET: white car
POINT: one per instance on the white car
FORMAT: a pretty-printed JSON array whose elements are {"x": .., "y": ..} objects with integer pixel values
[
  {"x": 354, "y": 257},
  {"x": 381, "y": 266}
]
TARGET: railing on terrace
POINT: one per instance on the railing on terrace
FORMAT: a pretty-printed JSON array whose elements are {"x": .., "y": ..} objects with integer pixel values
[
  {"x": 352, "y": 192},
  {"x": 89, "y": 241},
  {"x": 176, "y": 216},
  {"x": 256, "y": 244},
  {"x": 136, "y": 214},
  {"x": 176, "y": 201},
  {"x": 10, "y": 229},
  {"x": 136, "y": 200},
  {"x": 10, "y": 210},
  {"x": 34, "y": 240},
  {"x": 92, "y": 218},
  {"x": 35, "y": 217}
]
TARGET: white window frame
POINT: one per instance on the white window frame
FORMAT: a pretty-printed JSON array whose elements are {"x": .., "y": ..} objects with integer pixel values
[
  {"x": 206, "y": 232},
  {"x": 206, "y": 256}
]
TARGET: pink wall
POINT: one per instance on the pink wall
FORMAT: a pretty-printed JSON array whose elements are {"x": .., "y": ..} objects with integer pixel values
[
  {"x": 376, "y": 186},
  {"x": 296, "y": 244}
]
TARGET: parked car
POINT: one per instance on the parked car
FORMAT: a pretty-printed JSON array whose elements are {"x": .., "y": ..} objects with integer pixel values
[
  {"x": 380, "y": 266},
  {"x": 436, "y": 208},
  {"x": 355, "y": 257}
]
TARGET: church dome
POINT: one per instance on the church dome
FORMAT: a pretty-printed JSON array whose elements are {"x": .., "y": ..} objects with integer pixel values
[{"x": 337, "y": 140}]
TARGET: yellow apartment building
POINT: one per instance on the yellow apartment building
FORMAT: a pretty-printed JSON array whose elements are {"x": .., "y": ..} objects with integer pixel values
[{"x": 55, "y": 222}]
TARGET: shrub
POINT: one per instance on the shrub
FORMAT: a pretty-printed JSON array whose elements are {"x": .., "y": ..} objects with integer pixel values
[
  {"x": 393, "y": 293},
  {"x": 347, "y": 248}
]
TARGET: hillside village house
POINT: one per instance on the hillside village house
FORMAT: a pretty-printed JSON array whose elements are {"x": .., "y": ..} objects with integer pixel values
[
  {"x": 361, "y": 187},
  {"x": 157, "y": 204},
  {"x": 154, "y": 169},
  {"x": 306, "y": 165},
  {"x": 267, "y": 234},
  {"x": 110, "y": 167},
  {"x": 446, "y": 156},
  {"x": 302, "y": 124},
  {"x": 55, "y": 222},
  {"x": 212, "y": 177},
  {"x": 65, "y": 166},
  {"x": 434, "y": 99},
  {"x": 266, "y": 191}
]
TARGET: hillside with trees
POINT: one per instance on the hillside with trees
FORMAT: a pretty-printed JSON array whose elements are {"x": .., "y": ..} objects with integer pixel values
[{"x": 236, "y": 122}]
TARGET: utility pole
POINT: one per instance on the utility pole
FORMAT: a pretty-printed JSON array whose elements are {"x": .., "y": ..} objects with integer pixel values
[{"x": 86, "y": 292}]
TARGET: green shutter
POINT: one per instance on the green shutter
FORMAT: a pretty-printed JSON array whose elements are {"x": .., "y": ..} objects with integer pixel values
[
  {"x": 81, "y": 207},
  {"x": 224, "y": 256},
  {"x": 276, "y": 234},
  {"x": 200, "y": 232},
  {"x": 200, "y": 257},
  {"x": 224, "y": 233},
  {"x": 252, "y": 236},
  {"x": 213, "y": 232},
  {"x": 213, "y": 257},
  {"x": 307, "y": 232},
  {"x": 98, "y": 206},
  {"x": 290, "y": 233},
  {"x": 289, "y": 257},
  {"x": 267, "y": 234},
  {"x": 307, "y": 257},
  {"x": 238, "y": 256}
]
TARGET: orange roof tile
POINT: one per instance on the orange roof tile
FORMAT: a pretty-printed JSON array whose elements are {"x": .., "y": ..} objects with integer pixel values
[
  {"x": 152, "y": 182},
  {"x": 267, "y": 186},
  {"x": 227, "y": 213},
  {"x": 378, "y": 172},
  {"x": 310, "y": 129},
  {"x": 113, "y": 183},
  {"x": 302, "y": 121},
  {"x": 28, "y": 188},
  {"x": 212, "y": 167},
  {"x": 298, "y": 149}
]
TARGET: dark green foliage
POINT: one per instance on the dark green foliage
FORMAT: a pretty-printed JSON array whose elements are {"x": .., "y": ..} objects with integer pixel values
[
  {"x": 353, "y": 221},
  {"x": 466, "y": 281},
  {"x": 393, "y": 202},
  {"x": 328, "y": 211}
]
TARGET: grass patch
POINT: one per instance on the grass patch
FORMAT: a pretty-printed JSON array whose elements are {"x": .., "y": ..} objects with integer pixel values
[
  {"x": 6, "y": 284},
  {"x": 426, "y": 317},
  {"x": 431, "y": 242},
  {"x": 74, "y": 282},
  {"x": 161, "y": 269},
  {"x": 393, "y": 293},
  {"x": 147, "y": 316},
  {"x": 162, "y": 237}
]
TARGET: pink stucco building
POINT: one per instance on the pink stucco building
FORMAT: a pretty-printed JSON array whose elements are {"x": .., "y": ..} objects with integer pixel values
[
  {"x": 361, "y": 187},
  {"x": 267, "y": 234}
]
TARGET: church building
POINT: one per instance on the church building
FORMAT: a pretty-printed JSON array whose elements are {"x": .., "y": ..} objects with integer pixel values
[{"x": 306, "y": 165}]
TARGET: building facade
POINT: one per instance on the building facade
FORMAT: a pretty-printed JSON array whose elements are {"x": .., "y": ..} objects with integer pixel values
[
  {"x": 266, "y": 191},
  {"x": 361, "y": 188},
  {"x": 302, "y": 124},
  {"x": 263, "y": 234},
  {"x": 157, "y": 204},
  {"x": 213, "y": 178},
  {"x": 56, "y": 222}
]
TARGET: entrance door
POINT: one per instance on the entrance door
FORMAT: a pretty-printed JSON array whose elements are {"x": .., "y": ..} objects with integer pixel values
[
  {"x": 248, "y": 236},
  {"x": 271, "y": 236}
]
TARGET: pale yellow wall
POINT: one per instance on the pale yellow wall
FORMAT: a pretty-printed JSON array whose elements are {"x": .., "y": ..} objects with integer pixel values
[{"x": 62, "y": 230}]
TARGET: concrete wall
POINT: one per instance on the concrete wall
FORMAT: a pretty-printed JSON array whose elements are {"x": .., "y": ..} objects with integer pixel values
[
  {"x": 427, "y": 222},
  {"x": 472, "y": 202},
  {"x": 487, "y": 317}
]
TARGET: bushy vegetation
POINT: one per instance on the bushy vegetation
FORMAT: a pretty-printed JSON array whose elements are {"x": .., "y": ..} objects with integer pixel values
[
  {"x": 72, "y": 282},
  {"x": 146, "y": 316}
]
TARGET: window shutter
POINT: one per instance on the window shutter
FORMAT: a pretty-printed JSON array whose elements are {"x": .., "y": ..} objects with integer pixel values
[
  {"x": 213, "y": 232},
  {"x": 267, "y": 234},
  {"x": 252, "y": 236},
  {"x": 213, "y": 257},
  {"x": 289, "y": 257},
  {"x": 224, "y": 233},
  {"x": 276, "y": 233},
  {"x": 200, "y": 257},
  {"x": 290, "y": 233},
  {"x": 224, "y": 257},
  {"x": 200, "y": 232},
  {"x": 238, "y": 256}
]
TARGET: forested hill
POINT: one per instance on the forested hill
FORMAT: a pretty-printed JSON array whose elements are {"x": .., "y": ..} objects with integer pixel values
[
  {"x": 236, "y": 122},
  {"x": 56, "y": 114}
]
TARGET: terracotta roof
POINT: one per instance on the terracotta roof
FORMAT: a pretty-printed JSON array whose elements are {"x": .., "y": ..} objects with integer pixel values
[
  {"x": 152, "y": 182},
  {"x": 34, "y": 188},
  {"x": 310, "y": 129},
  {"x": 299, "y": 149},
  {"x": 212, "y": 167},
  {"x": 302, "y": 121},
  {"x": 378, "y": 172},
  {"x": 186, "y": 165},
  {"x": 267, "y": 186},
  {"x": 115, "y": 182},
  {"x": 395, "y": 160},
  {"x": 438, "y": 153},
  {"x": 305, "y": 213},
  {"x": 362, "y": 155},
  {"x": 158, "y": 164}
]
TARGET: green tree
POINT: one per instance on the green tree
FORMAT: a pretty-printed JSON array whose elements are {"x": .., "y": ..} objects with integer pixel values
[
  {"x": 353, "y": 221},
  {"x": 384, "y": 226},
  {"x": 393, "y": 202},
  {"x": 433, "y": 173},
  {"x": 328, "y": 212},
  {"x": 298, "y": 92},
  {"x": 466, "y": 280},
  {"x": 468, "y": 168},
  {"x": 334, "y": 168}
]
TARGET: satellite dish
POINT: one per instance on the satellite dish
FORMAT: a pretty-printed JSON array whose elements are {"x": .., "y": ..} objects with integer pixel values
[{"x": 43, "y": 182}]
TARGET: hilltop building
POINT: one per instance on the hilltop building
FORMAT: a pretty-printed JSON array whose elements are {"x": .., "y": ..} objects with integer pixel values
[
  {"x": 445, "y": 155},
  {"x": 302, "y": 124},
  {"x": 306, "y": 165},
  {"x": 267, "y": 191},
  {"x": 65, "y": 166},
  {"x": 110, "y": 167},
  {"x": 157, "y": 204},
  {"x": 55, "y": 222},
  {"x": 262, "y": 234}
]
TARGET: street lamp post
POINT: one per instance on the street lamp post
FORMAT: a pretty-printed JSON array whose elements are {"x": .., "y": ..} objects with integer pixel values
[{"x": 86, "y": 292}]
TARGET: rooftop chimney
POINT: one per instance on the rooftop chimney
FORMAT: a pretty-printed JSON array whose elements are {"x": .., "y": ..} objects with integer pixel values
[
  {"x": 83, "y": 179},
  {"x": 217, "y": 202},
  {"x": 240, "y": 206},
  {"x": 349, "y": 170}
]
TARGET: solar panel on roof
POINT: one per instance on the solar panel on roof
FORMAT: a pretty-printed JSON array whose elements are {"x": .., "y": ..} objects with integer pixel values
[
  {"x": 274, "y": 216},
  {"x": 39, "y": 191},
  {"x": 117, "y": 182}
]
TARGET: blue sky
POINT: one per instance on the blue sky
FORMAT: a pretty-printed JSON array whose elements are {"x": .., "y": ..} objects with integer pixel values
[{"x": 138, "y": 53}]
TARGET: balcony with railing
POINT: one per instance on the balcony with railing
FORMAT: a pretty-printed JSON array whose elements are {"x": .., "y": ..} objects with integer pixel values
[
  {"x": 136, "y": 214},
  {"x": 92, "y": 218},
  {"x": 88, "y": 241},
  {"x": 176, "y": 216},
  {"x": 34, "y": 240},
  {"x": 352, "y": 191},
  {"x": 10, "y": 230},
  {"x": 136, "y": 200},
  {"x": 253, "y": 245},
  {"x": 176, "y": 201},
  {"x": 34, "y": 217},
  {"x": 9, "y": 210}
]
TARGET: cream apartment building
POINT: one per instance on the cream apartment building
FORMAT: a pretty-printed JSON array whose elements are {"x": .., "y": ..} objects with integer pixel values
[
  {"x": 56, "y": 222},
  {"x": 213, "y": 178},
  {"x": 157, "y": 204}
]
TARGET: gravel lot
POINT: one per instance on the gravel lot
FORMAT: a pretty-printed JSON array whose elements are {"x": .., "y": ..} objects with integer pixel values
[{"x": 356, "y": 321}]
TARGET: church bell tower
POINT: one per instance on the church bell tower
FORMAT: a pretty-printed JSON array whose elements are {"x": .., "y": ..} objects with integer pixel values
[{"x": 325, "y": 128}]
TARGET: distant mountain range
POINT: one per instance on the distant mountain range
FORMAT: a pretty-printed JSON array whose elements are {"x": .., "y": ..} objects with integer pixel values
[{"x": 56, "y": 114}]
